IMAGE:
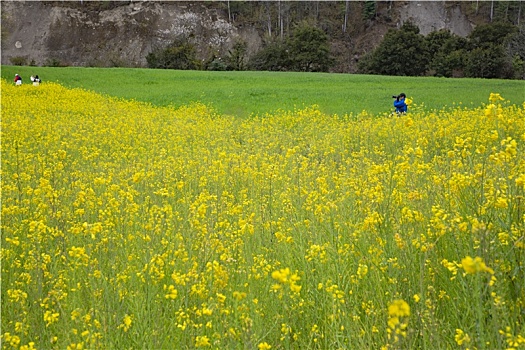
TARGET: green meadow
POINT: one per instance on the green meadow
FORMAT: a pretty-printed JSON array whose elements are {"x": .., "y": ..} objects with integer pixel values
[{"x": 245, "y": 93}]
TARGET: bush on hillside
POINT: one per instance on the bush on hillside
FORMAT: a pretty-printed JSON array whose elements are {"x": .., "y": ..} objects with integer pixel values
[
  {"x": 402, "y": 52},
  {"x": 490, "y": 51},
  {"x": 272, "y": 57},
  {"x": 489, "y": 62},
  {"x": 488, "y": 57},
  {"x": 487, "y": 35},
  {"x": 236, "y": 59},
  {"x": 369, "y": 10},
  {"x": 178, "y": 55},
  {"x": 309, "y": 49},
  {"x": 515, "y": 46},
  {"x": 18, "y": 61},
  {"x": 447, "y": 53}
]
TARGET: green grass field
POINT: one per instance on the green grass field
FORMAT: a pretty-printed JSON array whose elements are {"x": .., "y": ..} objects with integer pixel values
[{"x": 245, "y": 93}]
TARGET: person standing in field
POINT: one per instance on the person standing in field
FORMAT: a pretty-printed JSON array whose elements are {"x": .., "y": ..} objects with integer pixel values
[
  {"x": 400, "y": 104},
  {"x": 18, "y": 79},
  {"x": 36, "y": 80}
]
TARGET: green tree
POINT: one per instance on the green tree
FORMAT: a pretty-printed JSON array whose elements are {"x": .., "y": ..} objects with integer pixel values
[
  {"x": 436, "y": 40},
  {"x": 446, "y": 52},
  {"x": 487, "y": 35},
  {"x": 488, "y": 62},
  {"x": 273, "y": 56},
  {"x": 515, "y": 46},
  {"x": 402, "y": 52},
  {"x": 178, "y": 55},
  {"x": 489, "y": 55},
  {"x": 18, "y": 61},
  {"x": 369, "y": 10},
  {"x": 237, "y": 55},
  {"x": 515, "y": 43},
  {"x": 449, "y": 65},
  {"x": 309, "y": 48}
]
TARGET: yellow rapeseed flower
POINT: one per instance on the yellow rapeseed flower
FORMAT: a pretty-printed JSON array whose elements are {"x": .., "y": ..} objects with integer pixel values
[
  {"x": 461, "y": 337},
  {"x": 264, "y": 346},
  {"x": 126, "y": 323},
  {"x": 202, "y": 341},
  {"x": 130, "y": 204},
  {"x": 475, "y": 265},
  {"x": 76, "y": 346},
  {"x": 29, "y": 346},
  {"x": 239, "y": 295},
  {"x": 520, "y": 181},
  {"x": 50, "y": 317},
  {"x": 281, "y": 275},
  {"x": 494, "y": 97},
  {"x": 171, "y": 292},
  {"x": 221, "y": 298},
  {"x": 399, "y": 308}
]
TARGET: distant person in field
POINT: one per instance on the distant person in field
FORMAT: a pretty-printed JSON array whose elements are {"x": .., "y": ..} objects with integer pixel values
[
  {"x": 18, "y": 79},
  {"x": 36, "y": 80},
  {"x": 400, "y": 104}
]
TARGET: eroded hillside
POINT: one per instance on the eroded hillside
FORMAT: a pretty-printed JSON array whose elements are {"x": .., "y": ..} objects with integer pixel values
[{"x": 79, "y": 34}]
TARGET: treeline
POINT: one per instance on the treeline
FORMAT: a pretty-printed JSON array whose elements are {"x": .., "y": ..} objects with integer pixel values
[
  {"x": 490, "y": 51},
  {"x": 301, "y": 36},
  {"x": 328, "y": 36},
  {"x": 306, "y": 50}
]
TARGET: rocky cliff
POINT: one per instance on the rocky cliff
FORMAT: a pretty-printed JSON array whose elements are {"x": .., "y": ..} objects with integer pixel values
[
  {"x": 121, "y": 36},
  {"x": 43, "y": 33}
]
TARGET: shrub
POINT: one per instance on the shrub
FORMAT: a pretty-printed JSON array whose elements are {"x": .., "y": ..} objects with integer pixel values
[
  {"x": 273, "y": 57},
  {"x": 446, "y": 52},
  {"x": 217, "y": 64},
  {"x": 402, "y": 52},
  {"x": 53, "y": 62},
  {"x": 489, "y": 62},
  {"x": 487, "y": 35},
  {"x": 178, "y": 55},
  {"x": 18, "y": 61},
  {"x": 369, "y": 10},
  {"x": 237, "y": 56},
  {"x": 309, "y": 49}
]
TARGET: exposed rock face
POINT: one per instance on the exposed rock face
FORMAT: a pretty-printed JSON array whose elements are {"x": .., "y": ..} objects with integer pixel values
[
  {"x": 124, "y": 35},
  {"x": 121, "y": 36},
  {"x": 430, "y": 16}
]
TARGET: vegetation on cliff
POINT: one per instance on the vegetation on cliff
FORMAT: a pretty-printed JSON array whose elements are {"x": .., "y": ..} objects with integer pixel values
[{"x": 334, "y": 36}]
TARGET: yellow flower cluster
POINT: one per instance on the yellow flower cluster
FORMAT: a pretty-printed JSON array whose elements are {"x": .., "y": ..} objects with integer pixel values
[
  {"x": 285, "y": 277},
  {"x": 475, "y": 265},
  {"x": 126, "y": 225},
  {"x": 398, "y": 311},
  {"x": 461, "y": 337}
]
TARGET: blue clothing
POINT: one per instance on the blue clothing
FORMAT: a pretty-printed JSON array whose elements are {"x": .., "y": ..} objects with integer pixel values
[{"x": 401, "y": 106}]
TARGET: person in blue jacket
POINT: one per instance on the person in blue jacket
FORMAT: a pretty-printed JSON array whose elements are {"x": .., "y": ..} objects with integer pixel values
[{"x": 400, "y": 104}]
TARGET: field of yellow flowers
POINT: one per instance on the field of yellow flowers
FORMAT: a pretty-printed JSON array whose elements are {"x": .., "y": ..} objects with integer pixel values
[{"x": 131, "y": 226}]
